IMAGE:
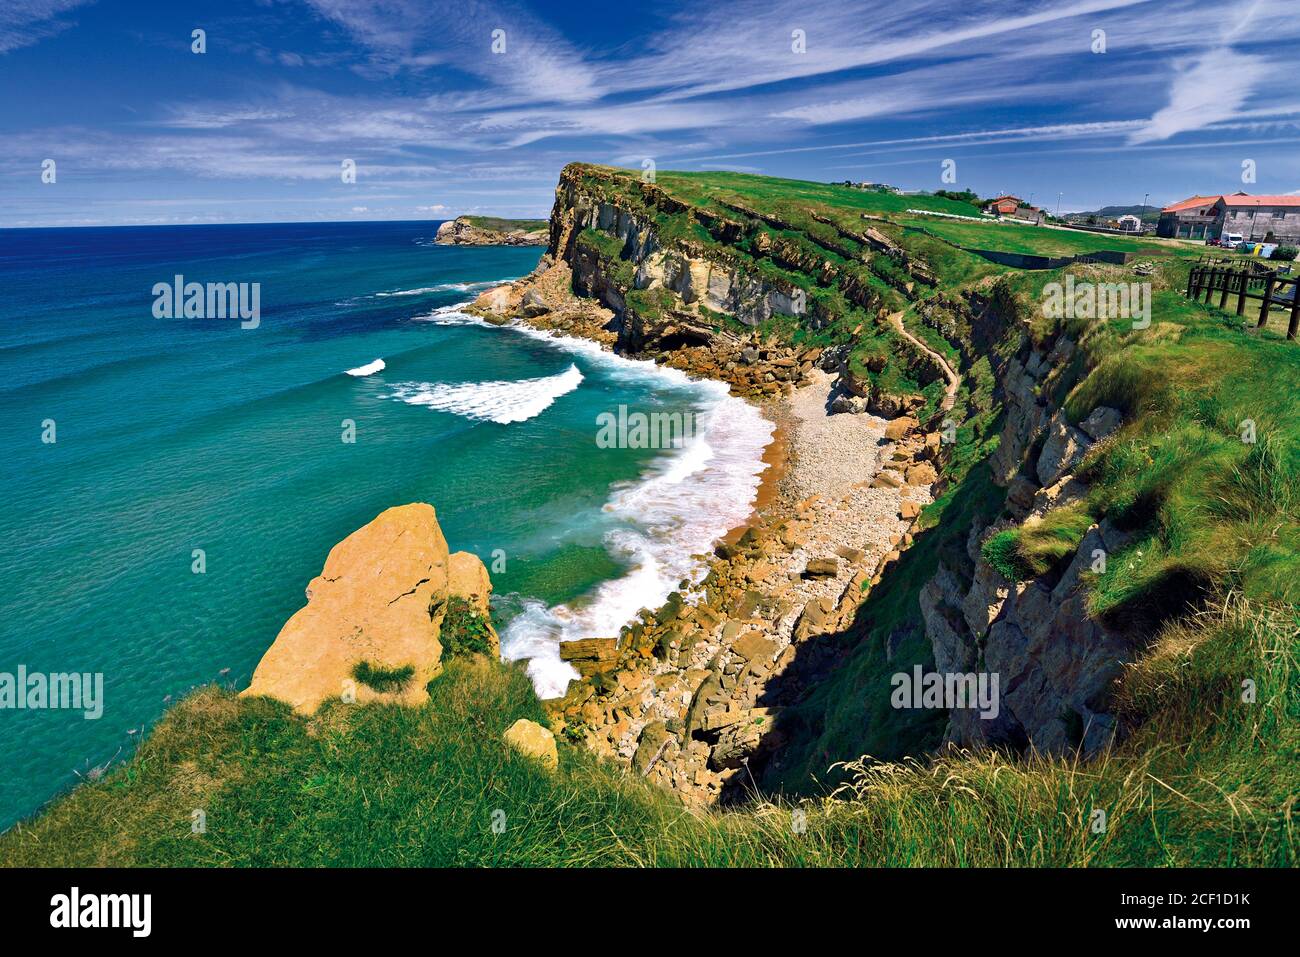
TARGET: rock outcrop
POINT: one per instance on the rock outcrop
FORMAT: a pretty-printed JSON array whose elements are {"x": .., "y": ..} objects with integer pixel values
[
  {"x": 486, "y": 231},
  {"x": 378, "y": 603},
  {"x": 532, "y": 740}
]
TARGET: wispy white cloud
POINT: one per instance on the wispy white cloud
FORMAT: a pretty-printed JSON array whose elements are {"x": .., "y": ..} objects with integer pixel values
[
  {"x": 412, "y": 91},
  {"x": 25, "y": 22},
  {"x": 1216, "y": 84},
  {"x": 500, "y": 44},
  {"x": 1211, "y": 90}
]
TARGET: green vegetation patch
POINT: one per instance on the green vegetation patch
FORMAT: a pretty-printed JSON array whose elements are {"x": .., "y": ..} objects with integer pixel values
[
  {"x": 1035, "y": 548},
  {"x": 381, "y": 679},
  {"x": 465, "y": 630},
  {"x": 609, "y": 250},
  {"x": 506, "y": 225}
]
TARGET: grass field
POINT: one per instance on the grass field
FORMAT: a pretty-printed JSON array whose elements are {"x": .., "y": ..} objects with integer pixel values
[{"x": 225, "y": 782}]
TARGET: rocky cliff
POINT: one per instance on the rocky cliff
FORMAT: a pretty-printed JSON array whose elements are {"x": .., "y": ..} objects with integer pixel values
[
  {"x": 757, "y": 292},
  {"x": 372, "y": 624},
  {"x": 1056, "y": 662},
  {"x": 717, "y": 291}
]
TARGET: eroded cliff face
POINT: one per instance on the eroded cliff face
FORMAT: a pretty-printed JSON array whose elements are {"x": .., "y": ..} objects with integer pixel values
[
  {"x": 699, "y": 274},
  {"x": 696, "y": 263},
  {"x": 669, "y": 273},
  {"x": 631, "y": 266},
  {"x": 1056, "y": 663}
]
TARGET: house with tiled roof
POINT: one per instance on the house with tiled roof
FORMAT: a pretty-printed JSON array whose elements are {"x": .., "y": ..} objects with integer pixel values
[
  {"x": 1002, "y": 206},
  {"x": 1014, "y": 207},
  {"x": 1257, "y": 218},
  {"x": 1193, "y": 218},
  {"x": 1261, "y": 219}
]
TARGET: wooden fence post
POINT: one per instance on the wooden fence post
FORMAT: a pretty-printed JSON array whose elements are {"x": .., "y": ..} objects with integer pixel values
[
  {"x": 1209, "y": 285},
  {"x": 1268, "y": 300},
  {"x": 1294, "y": 324},
  {"x": 1228, "y": 276},
  {"x": 1243, "y": 282}
]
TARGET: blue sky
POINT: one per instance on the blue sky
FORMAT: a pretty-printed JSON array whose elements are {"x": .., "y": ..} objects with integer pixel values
[{"x": 1020, "y": 95}]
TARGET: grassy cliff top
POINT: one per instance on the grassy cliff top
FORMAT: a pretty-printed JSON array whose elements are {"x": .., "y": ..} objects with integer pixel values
[
  {"x": 812, "y": 208},
  {"x": 497, "y": 224}
]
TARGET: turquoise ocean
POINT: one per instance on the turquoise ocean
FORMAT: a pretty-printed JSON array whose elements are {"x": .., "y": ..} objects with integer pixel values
[{"x": 172, "y": 435}]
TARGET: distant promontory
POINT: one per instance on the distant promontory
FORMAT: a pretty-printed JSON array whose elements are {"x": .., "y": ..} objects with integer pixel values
[{"x": 491, "y": 231}]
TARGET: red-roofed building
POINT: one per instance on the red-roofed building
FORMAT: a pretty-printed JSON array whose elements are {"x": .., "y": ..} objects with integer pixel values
[
  {"x": 1256, "y": 218},
  {"x": 1263, "y": 219},
  {"x": 1015, "y": 208},
  {"x": 1193, "y": 218},
  {"x": 1002, "y": 206}
]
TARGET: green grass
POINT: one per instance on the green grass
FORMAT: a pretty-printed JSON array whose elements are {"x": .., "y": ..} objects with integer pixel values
[
  {"x": 1035, "y": 548},
  {"x": 381, "y": 679},
  {"x": 1039, "y": 240},
  {"x": 379, "y": 785},
  {"x": 385, "y": 785},
  {"x": 505, "y": 225}
]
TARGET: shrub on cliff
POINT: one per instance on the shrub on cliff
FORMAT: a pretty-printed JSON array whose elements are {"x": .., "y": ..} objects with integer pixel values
[{"x": 464, "y": 630}]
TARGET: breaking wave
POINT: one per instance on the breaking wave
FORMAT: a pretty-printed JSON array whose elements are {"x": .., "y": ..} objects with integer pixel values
[
  {"x": 658, "y": 525},
  {"x": 444, "y": 287},
  {"x": 502, "y": 402},
  {"x": 370, "y": 368}
]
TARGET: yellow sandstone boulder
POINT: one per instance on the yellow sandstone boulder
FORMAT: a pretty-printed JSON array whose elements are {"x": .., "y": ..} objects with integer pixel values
[
  {"x": 531, "y": 739},
  {"x": 371, "y": 624}
]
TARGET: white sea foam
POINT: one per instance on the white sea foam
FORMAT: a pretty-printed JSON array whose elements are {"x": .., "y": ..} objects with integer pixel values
[
  {"x": 370, "y": 368},
  {"x": 425, "y": 290},
  {"x": 685, "y": 502},
  {"x": 454, "y": 315},
  {"x": 444, "y": 287},
  {"x": 502, "y": 402}
]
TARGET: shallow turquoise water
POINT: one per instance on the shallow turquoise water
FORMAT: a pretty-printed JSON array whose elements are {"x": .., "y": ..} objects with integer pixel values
[{"x": 183, "y": 434}]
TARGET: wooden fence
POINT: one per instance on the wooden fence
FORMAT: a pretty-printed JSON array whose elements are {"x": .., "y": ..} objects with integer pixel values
[{"x": 1246, "y": 280}]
